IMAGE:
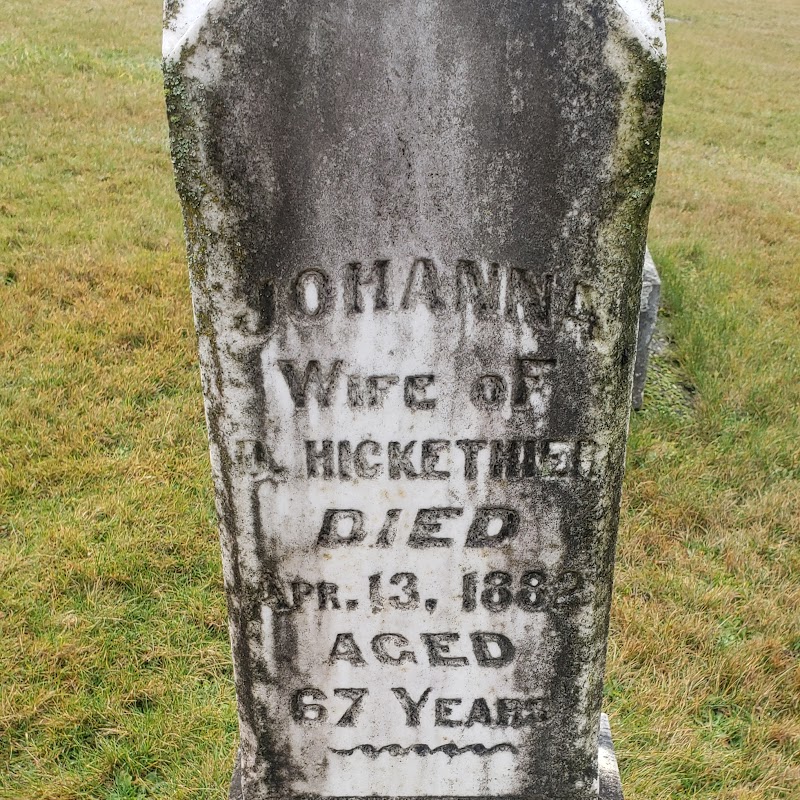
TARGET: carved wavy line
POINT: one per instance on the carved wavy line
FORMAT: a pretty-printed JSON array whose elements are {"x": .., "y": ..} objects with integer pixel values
[{"x": 451, "y": 750}]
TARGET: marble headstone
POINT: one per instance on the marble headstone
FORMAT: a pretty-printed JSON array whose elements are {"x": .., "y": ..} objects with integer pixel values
[{"x": 415, "y": 233}]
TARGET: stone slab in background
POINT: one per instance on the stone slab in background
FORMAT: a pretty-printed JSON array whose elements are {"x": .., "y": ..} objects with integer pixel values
[
  {"x": 648, "y": 317},
  {"x": 415, "y": 234}
]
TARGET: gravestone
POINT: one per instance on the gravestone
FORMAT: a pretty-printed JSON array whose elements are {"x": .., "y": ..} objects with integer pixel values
[
  {"x": 648, "y": 317},
  {"x": 415, "y": 233}
]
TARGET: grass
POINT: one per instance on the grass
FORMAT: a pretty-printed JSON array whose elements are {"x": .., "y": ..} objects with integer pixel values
[{"x": 115, "y": 677}]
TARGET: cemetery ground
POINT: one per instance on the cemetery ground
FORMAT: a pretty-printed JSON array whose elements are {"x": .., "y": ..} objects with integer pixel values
[{"x": 115, "y": 677}]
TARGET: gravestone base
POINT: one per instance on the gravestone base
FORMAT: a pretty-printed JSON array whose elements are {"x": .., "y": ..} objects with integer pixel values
[
  {"x": 235, "y": 792},
  {"x": 610, "y": 782}
]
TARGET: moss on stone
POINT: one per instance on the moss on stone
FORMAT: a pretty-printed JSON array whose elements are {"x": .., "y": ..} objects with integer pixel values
[{"x": 171, "y": 9}]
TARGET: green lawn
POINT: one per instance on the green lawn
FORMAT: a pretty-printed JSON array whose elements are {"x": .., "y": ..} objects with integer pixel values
[{"x": 115, "y": 677}]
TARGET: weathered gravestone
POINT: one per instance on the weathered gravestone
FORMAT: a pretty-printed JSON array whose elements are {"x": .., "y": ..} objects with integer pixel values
[{"x": 415, "y": 234}]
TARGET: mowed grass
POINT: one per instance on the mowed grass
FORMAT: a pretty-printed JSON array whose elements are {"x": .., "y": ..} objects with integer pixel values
[
  {"x": 115, "y": 678},
  {"x": 703, "y": 682},
  {"x": 114, "y": 659}
]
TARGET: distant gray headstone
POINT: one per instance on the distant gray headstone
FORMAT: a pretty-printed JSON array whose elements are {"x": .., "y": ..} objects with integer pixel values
[
  {"x": 648, "y": 317},
  {"x": 415, "y": 234}
]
